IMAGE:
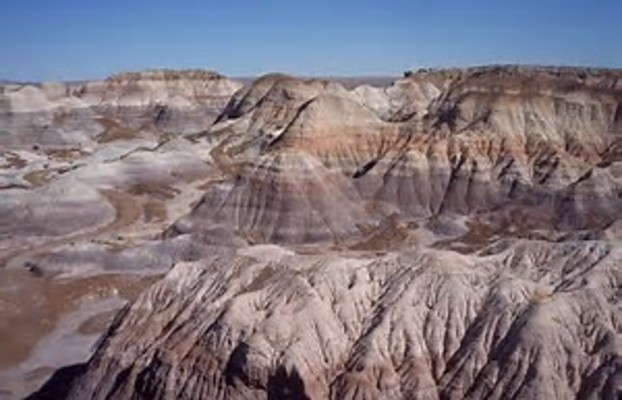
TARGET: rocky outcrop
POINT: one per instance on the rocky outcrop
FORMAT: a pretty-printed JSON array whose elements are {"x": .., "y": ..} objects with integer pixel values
[{"x": 532, "y": 320}]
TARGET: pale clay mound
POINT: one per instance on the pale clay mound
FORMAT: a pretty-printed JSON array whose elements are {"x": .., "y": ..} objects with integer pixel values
[{"x": 452, "y": 235}]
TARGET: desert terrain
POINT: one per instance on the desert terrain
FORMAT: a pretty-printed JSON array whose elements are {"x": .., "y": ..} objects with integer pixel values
[{"x": 448, "y": 234}]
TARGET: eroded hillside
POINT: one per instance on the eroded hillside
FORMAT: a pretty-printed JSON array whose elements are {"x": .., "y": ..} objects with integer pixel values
[{"x": 455, "y": 234}]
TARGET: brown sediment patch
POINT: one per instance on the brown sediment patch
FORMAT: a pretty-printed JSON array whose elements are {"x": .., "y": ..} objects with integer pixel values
[
  {"x": 519, "y": 222},
  {"x": 39, "y": 177},
  {"x": 390, "y": 233},
  {"x": 44, "y": 176},
  {"x": 158, "y": 190},
  {"x": 260, "y": 280},
  {"x": 155, "y": 211},
  {"x": 107, "y": 123},
  {"x": 113, "y": 130},
  {"x": 30, "y": 306},
  {"x": 478, "y": 235},
  {"x": 60, "y": 117},
  {"x": 127, "y": 211},
  {"x": 13, "y": 160},
  {"x": 67, "y": 154}
]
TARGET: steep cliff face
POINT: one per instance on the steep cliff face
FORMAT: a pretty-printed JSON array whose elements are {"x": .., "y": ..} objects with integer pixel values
[{"x": 454, "y": 235}]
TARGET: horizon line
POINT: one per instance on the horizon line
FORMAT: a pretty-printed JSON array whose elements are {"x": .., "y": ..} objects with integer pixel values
[{"x": 419, "y": 69}]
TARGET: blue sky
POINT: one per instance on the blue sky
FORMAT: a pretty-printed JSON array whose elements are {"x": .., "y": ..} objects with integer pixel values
[{"x": 78, "y": 39}]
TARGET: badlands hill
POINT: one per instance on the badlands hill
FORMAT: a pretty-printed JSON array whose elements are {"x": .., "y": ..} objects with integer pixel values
[
  {"x": 90, "y": 173},
  {"x": 455, "y": 234}
]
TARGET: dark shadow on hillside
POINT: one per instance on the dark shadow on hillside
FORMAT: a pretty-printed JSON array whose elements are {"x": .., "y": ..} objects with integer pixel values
[
  {"x": 286, "y": 386},
  {"x": 59, "y": 384}
]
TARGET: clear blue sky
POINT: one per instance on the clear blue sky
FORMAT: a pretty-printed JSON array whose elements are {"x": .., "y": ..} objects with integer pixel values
[{"x": 76, "y": 39}]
